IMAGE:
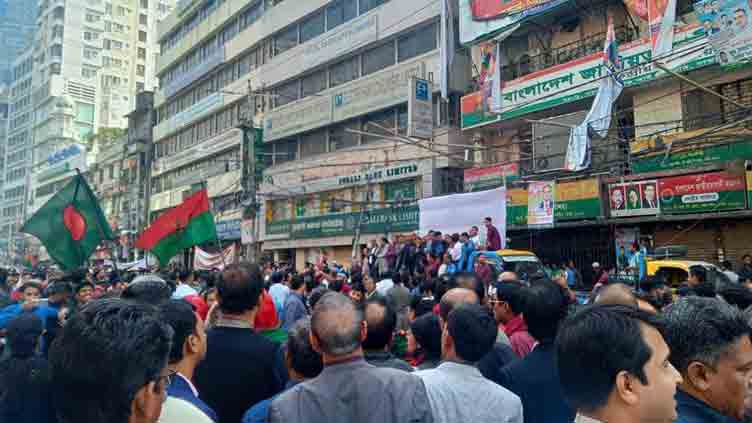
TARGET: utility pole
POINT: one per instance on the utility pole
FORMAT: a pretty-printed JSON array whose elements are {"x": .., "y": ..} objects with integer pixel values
[
  {"x": 250, "y": 183},
  {"x": 361, "y": 217}
]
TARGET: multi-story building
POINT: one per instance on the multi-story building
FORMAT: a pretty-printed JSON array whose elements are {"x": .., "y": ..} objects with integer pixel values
[
  {"x": 318, "y": 69},
  {"x": 18, "y": 146},
  {"x": 669, "y": 171},
  {"x": 17, "y": 26},
  {"x": 90, "y": 58}
]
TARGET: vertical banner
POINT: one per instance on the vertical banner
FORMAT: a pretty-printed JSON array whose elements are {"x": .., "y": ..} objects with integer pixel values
[
  {"x": 541, "y": 204},
  {"x": 447, "y": 45},
  {"x": 623, "y": 239},
  {"x": 420, "y": 109},
  {"x": 496, "y": 81},
  {"x": 489, "y": 63},
  {"x": 727, "y": 25},
  {"x": 661, "y": 18}
]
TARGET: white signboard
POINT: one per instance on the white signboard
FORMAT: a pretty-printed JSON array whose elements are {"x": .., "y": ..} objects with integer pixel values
[
  {"x": 228, "y": 139},
  {"x": 420, "y": 109},
  {"x": 297, "y": 117},
  {"x": 246, "y": 232},
  {"x": 347, "y": 37}
]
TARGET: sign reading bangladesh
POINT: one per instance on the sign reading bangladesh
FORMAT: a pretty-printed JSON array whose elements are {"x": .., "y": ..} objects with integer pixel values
[
  {"x": 579, "y": 79},
  {"x": 707, "y": 192},
  {"x": 483, "y": 178}
]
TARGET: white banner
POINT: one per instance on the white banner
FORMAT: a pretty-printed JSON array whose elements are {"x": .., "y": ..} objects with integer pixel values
[
  {"x": 207, "y": 261},
  {"x": 459, "y": 212}
]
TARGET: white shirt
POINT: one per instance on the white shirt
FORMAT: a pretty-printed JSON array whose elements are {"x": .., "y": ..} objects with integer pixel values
[
  {"x": 183, "y": 290},
  {"x": 456, "y": 251},
  {"x": 384, "y": 286}
]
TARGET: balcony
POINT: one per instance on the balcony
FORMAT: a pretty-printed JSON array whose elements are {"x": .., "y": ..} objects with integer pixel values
[{"x": 527, "y": 64}]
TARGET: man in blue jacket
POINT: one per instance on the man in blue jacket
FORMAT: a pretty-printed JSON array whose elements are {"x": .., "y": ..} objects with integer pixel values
[
  {"x": 32, "y": 303},
  {"x": 468, "y": 248}
]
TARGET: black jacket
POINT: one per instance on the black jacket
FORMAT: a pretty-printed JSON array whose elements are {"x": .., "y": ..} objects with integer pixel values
[{"x": 26, "y": 399}]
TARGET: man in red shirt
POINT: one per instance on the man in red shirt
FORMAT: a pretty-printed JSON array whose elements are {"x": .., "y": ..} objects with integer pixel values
[
  {"x": 507, "y": 299},
  {"x": 493, "y": 239}
]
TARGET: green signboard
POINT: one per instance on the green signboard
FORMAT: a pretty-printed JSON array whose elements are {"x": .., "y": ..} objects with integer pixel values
[
  {"x": 574, "y": 200},
  {"x": 399, "y": 219},
  {"x": 693, "y": 158}
]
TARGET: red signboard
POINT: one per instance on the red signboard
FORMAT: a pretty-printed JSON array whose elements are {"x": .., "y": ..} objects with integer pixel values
[
  {"x": 702, "y": 193},
  {"x": 492, "y": 9}
]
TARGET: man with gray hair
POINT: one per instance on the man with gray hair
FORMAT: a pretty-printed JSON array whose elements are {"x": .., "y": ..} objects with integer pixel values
[
  {"x": 710, "y": 346},
  {"x": 349, "y": 389}
]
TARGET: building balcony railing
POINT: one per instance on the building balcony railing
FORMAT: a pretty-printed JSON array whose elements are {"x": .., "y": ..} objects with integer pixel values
[{"x": 527, "y": 64}]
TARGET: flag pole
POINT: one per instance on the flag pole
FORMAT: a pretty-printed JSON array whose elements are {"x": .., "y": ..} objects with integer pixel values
[{"x": 99, "y": 227}]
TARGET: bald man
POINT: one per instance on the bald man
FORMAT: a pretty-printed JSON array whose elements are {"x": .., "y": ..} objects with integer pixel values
[
  {"x": 349, "y": 389},
  {"x": 617, "y": 294}
]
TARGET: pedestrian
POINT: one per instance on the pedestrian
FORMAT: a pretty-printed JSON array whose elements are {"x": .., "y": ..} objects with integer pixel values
[
  {"x": 484, "y": 270},
  {"x": 381, "y": 319},
  {"x": 32, "y": 303},
  {"x": 469, "y": 334},
  {"x": 600, "y": 275},
  {"x": 349, "y": 389},
  {"x": 613, "y": 363},
  {"x": 508, "y": 304},
  {"x": 535, "y": 379},
  {"x": 358, "y": 293},
  {"x": 109, "y": 364},
  {"x": 382, "y": 261},
  {"x": 241, "y": 367},
  {"x": 424, "y": 342},
  {"x": 280, "y": 290},
  {"x": 185, "y": 281},
  {"x": 385, "y": 284},
  {"x": 477, "y": 238},
  {"x": 295, "y": 305},
  {"x": 370, "y": 286},
  {"x": 493, "y": 239},
  {"x": 617, "y": 293},
  {"x": 302, "y": 361},
  {"x": 745, "y": 271},
  {"x": 25, "y": 383},
  {"x": 447, "y": 266},
  {"x": 710, "y": 346},
  {"x": 729, "y": 272},
  {"x": 468, "y": 248},
  {"x": 189, "y": 349},
  {"x": 398, "y": 298},
  {"x": 455, "y": 251}
]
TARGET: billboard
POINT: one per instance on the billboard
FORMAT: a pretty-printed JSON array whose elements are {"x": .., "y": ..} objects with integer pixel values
[
  {"x": 638, "y": 198},
  {"x": 727, "y": 25},
  {"x": 541, "y": 203},
  {"x": 705, "y": 192}
]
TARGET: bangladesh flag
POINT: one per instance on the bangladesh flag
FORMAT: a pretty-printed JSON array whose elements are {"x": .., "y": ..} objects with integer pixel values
[
  {"x": 70, "y": 225},
  {"x": 184, "y": 226}
]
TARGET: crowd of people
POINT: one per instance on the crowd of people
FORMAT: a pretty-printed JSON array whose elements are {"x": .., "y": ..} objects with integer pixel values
[{"x": 265, "y": 343}]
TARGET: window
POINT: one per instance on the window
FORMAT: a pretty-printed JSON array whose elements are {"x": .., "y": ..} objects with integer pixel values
[
  {"x": 286, "y": 93},
  {"x": 142, "y": 53},
  {"x": 313, "y": 144},
  {"x": 91, "y": 36},
  {"x": 57, "y": 31},
  {"x": 417, "y": 42},
  {"x": 88, "y": 73},
  {"x": 54, "y": 68},
  {"x": 286, "y": 40},
  {"x": 312, "y": 27},
  {"x": 56, "y": 50},
  {"x": 366, "y": 5},
  {"x": 58, "y": 13},
  {"x": 139, "y": 86},
  {"x": 313, "y": 83},
  {"x": 142, "y": 36},
  {"x": 287, "y": 150},
  {"x": 90, "y": 54},
  {"x": 384, "y": 119},
  {"x": 340, "y": 138},
  {"x": 144, "y": 4},
  {"x": 402, "y": 119},
  {"x": 143, "y": 19},
  {"x": 91, "y": 17},
  {"x": 340, "y": 12},
  {"x": 344, "y": 71},
  {"x": 378, "y": 58},
  {"x": 121, "y": 11},
  {"x": 140, "y": 70}
]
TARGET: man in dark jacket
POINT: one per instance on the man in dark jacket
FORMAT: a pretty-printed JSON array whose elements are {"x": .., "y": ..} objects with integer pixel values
[
  {"x": 241, "y": 367},
  {"x": 381, "y": 320},
  {"x": 535, "y": 379},
  {"x": 493, "y": 238}
]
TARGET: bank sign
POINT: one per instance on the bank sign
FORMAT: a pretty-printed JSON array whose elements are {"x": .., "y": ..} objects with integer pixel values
[
  {"x": 578, "y": 79},
  {"x": 398, "y": 219}
]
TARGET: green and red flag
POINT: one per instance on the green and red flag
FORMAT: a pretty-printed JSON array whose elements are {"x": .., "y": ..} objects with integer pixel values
[
  {"x": 70, "y": 225},
  {"x": 188, "y": 224}
]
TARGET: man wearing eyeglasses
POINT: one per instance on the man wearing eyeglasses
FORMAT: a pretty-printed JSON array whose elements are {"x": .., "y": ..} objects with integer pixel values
[
  {"x": 507, "y": 303},
  {"x": 110, "y": 364}
]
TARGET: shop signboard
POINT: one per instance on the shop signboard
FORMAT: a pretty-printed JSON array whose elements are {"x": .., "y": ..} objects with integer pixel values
[
  {"x": 297, "y": 117},
  {"x": 635, "y": 198},
  {"x": 279, "y": 227},
  {"x": 481, "y": 18},
  {"x": 400, "y": 219},
  {"x": 341, "y": 40},
  {"x": 578, "y": 200},
  {"x": 483, "y": 178},
  {"x": 693, "y": 158},
  {"x": 516, "y": 207},
  {"x": 420, "y": 109},
  {"x": 228, "y": 229},
  {"x": 707, "y": 192},
  {"x": 540, "y": 203},
  {"x": 578, "y": 79},
  {"x": 63, "y": 161}
]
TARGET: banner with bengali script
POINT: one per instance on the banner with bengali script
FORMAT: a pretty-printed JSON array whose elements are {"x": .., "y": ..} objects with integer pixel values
[
  {"x": 574, "y": 200},
  {"x": 541, "y": 203},
  {"x": 661, "y": 19},
  {"x": 578, "y": 79},
  {"x": 203, "y": 260},
  {"x": 728, "y": 28},
  {"x": 707, "y": 192}
]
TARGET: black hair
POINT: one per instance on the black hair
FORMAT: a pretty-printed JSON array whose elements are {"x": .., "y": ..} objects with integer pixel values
[
  {"x": 512, "y": 294},
  {"x": 381, "y": 320},
  {"x": 335, "y": 285},
  {"x": 316, "y": 295},
  {"x": 240, "y": 288},
  {"x": 588, "y": 369},
  {"x": 455, "y": 237},
  {"x": 185, "y": 274},
  {"x": 28, "y": 285},
  {"x": 359, "y": 288},
  {"x": 546, "y": 306},
  {"x": 180, "y": 315},
  {"x": 296, "y": 282},
  {"x": 427, "y": 332},
  {"x": 702, "y": 329},
  {"x": 471, "y": 281},
  {"x": 428, "y": 285},
  {"x": 152, "y": 291},
  {"x": 122, "y": 345},
  {"x": 735, "y": 294},
  {"x": 303, "y": 358},
  {"x": 473, "y": 329},
  {"x": 699, "y": 273}
]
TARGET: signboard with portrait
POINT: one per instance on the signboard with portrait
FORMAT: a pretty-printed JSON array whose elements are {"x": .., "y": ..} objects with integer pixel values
[
  {"x": 541, "y": 203},
  {"x": 728, "y": 28},
  {"x": 638, "y": 198}
]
